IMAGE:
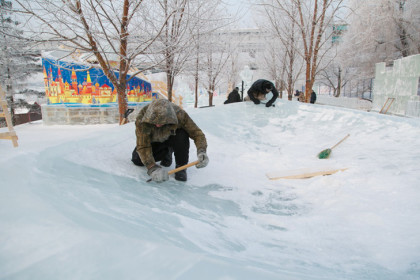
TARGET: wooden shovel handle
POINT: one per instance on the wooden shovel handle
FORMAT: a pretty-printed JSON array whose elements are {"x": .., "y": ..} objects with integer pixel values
[
  {"x": 340, "y": 141},
  {"x": 180, "y": 168},
  {"x": 183, "y": 167}
]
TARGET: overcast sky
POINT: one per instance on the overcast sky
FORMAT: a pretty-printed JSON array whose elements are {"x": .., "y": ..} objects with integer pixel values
[{"x": 242, "y": 9}]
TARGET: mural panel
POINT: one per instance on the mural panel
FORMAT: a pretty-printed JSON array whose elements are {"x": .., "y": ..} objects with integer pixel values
[{"x": 71, "y": 83}]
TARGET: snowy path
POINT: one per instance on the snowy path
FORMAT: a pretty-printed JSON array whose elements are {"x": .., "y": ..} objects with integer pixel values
[{"x": 73, "y": 206}]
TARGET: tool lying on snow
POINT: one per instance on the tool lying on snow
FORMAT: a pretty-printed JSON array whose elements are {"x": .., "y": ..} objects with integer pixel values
[
  {"x": 180, "y": 168},
  {"x": 302, "y": 173},
  {"x": 326, "y": 153}
]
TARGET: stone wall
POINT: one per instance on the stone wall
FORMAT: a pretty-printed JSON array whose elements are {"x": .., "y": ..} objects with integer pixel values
[{"x": 69, "y": 115}]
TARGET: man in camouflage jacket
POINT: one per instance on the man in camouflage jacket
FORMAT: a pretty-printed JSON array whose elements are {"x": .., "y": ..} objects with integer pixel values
[{"x": 162, "y": 128}]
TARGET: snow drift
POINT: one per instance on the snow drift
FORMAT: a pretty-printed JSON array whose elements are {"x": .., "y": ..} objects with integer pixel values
[{"x": 73, "y": 206}]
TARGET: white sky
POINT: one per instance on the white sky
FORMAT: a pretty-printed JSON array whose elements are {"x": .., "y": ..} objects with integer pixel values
[{"x": 243, "y": 11}]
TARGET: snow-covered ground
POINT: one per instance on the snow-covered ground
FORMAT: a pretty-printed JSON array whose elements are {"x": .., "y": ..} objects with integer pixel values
[{"x": 73, "y": 206}]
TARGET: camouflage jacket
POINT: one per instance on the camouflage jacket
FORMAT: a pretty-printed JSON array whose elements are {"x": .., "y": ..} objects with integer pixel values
[{"x": 162, "y": 111}]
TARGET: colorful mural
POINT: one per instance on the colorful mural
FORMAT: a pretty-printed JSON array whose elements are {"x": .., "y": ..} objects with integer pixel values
[{"x": 74, "y": 83}]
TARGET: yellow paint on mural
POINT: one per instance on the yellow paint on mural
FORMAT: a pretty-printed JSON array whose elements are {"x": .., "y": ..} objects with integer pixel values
[{"x": 58, "y": 91}]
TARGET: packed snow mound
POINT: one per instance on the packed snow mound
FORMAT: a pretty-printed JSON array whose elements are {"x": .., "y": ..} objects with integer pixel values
[{"x": 73, "y": 206}]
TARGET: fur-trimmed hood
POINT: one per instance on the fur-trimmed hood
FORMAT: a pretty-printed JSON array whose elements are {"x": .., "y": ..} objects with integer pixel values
[{"x": 160, "y": 111}]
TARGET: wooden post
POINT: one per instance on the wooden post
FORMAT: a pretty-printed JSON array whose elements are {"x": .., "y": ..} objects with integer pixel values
[{"x": 11, "y": 134}]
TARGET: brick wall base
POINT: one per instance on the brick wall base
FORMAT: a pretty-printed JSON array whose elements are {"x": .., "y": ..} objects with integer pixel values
[{"x": 64, "y": 114}]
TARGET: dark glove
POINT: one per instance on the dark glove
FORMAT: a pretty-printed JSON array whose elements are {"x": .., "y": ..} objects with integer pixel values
[
  {"x": 256, "y": 101},
  {"x": 158, "y": 174},
  {"x": 203, "y": 158},
  {"x": 269, "y": 104}
]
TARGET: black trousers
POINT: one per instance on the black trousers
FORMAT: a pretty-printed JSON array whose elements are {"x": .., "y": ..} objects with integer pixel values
[{"x": 178, "y": 143}]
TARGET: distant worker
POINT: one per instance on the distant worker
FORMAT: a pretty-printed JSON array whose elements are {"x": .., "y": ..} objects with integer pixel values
[
  {"x": 301, "y": 96},
  {"x": 163, "y": 128},
  {"x": 313, "y": 97},
  {"x": 259, "y": 89},
  {"x": 233, "y": 96}
]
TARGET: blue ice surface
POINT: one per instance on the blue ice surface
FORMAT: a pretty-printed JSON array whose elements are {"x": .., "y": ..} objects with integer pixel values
[{"x": 81, "y": 210}]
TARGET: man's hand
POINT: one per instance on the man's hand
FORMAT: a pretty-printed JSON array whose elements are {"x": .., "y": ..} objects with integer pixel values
[
  {"x": 158, "y": 174},
  {"x": 203, "y": 158},
  {"x": 269, "y": 104},
  {"x": 256, "y": 101}
]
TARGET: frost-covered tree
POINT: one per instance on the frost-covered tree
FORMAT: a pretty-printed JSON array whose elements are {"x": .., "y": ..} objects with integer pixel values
[
  {"x": 312, "y": 19},
  {"x": 282, "y": 53},
  {"x": 173, "y": 42},
  {"x": 210, "y": 18},
  {"x": 335, "y": 77},
  {"x": 17, "y": 59},
  {"x": 233, "y": 68},
  {"x": 216, "y": 58},
  {"x": 273, "y": 63},
  {"x": 380, "y": 31},
  {"x": 114, "y": 32},
  {"x": 178, "y": 40}
]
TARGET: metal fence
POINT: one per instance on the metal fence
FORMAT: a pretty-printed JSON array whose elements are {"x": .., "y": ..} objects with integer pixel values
[{"x": 360, "y": 88}]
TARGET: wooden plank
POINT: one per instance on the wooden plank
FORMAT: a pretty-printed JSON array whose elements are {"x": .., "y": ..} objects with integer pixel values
[
  {"x": 390, "y": 100},
  {"x": 302, "y": 174},
  {"x": 5, "y": 135},
  {"x": 14, "y": 141},
  {"x": 9, "y": 134},
  {"x": 390, "y": 103}
]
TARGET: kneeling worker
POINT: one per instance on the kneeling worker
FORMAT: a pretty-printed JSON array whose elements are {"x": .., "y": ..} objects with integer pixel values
[
  {"x": 259, "y": 89},
  {"x": 163, "y": 128}
]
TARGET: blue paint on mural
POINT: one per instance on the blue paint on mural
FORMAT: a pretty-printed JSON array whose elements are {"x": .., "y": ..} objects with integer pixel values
[{"x": 67, "y": 82}]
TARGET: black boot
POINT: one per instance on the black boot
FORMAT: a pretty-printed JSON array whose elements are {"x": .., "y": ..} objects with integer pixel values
[
  {"x": 181, "y": 175},
  {"x": 167, "y": 160},
  {"x": 136, "y": 159}
]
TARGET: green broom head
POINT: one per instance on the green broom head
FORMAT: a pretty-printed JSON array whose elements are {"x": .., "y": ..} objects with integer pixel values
[{"x": 324, "y": 154}]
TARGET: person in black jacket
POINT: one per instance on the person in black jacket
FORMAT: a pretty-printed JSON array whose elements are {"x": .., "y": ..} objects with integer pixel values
[
  {"x": 313, "y": 97},
  {"x": 259, "y": 89},
  {"x": 233, "y": 96}
]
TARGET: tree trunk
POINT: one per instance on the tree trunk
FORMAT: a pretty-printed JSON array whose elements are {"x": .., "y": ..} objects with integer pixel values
[
  {"x": 402, "y": 33},
  {"x": 339, "y": 82},
  {"x": 282, "y": 87},
  {"x": 122, "y": 101},
  {"x": 196, "y": 91},
  {"x": 308, "y": 82},
  {"x": 211, "y": 90},
  {"x": 169, "y": 85},
  {"x": 122, "y": 95},
  {"x": 9, "y": 93},
  {"x": 197, "y": 61},
  {"x": 290, "y": 83}
]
